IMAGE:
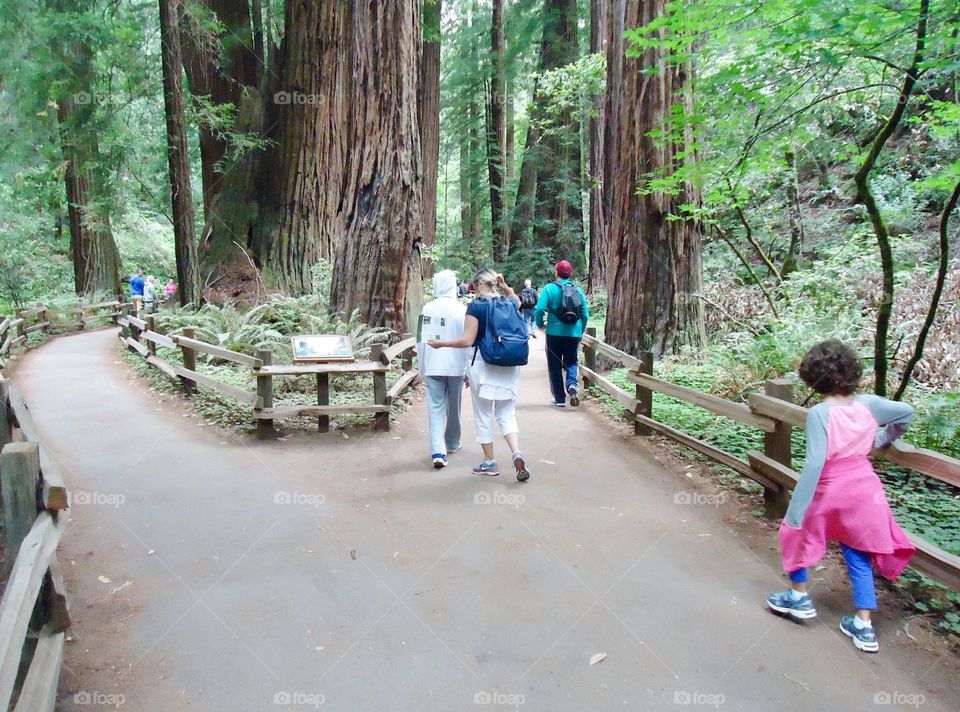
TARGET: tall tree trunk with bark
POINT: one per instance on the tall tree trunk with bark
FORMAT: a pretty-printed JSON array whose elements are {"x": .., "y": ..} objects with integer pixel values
[
  {"x": 559, "y": 207},
  {"x": 654, "y": 268},
  {"x": 865, "y": 196},
  {"x": 599, "y": 10},
  {"x": 381, "y": 202},
  {"x": 496, "y": 132},
  {"x": 95, "y": 256},
  {"x": 430, "y": 115},
  {"x": 178, "y": 158}
]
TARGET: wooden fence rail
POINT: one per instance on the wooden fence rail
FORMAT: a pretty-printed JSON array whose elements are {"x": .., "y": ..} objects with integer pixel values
[
  {"x": 33, "y": 613},
  {"x": 774, "y": 414}
]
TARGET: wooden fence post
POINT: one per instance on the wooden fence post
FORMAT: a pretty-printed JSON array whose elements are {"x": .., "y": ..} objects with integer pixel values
[
  {"x": 644, "y": 395},
  {"x": 381, "y": 421},
  {"x": 45, "y": 330},
  {"x": 189, "y": 362},
  {"x": 151, "y": 326},
  {"x": 323, "y": 398},
  {"x": 6, "y": 427},
  {"x": 265, "y": 391},
  {"x": 407, "y": 356},
  {"x": 19, "y": 474},
  {"x": 589, "y": 356},
  {"x": 776, "y": 445}
]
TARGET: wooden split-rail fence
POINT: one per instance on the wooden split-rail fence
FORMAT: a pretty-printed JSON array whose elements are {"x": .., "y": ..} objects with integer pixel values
[
  {"x": 142, "y": 337},
  {"x": 34, "y": 615},
  {"x": 775, "y": 415}
]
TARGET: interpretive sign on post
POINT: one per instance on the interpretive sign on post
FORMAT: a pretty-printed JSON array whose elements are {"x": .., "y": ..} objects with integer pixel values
[{"x": 316, "y": 348}]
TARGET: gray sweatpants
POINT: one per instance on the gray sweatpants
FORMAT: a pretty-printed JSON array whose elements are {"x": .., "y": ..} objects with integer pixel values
[{"x": 443, "y": 404}]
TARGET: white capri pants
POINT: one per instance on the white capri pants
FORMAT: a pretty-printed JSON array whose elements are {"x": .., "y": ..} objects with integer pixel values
[{"x": 486, "y": 410}]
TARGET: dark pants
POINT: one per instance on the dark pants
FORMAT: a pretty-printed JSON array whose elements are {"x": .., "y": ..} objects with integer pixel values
[{"x": 562, "y": 355}]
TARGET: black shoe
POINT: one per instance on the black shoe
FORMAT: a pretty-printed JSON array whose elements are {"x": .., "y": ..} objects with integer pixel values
[{"x": 574, "y": 395}]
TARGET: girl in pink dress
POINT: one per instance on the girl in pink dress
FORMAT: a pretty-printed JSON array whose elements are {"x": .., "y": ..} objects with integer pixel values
[{"x": 839, "y": 497}]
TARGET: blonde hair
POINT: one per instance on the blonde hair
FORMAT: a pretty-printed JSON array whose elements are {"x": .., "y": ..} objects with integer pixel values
[{"x": 486, "y": 276}]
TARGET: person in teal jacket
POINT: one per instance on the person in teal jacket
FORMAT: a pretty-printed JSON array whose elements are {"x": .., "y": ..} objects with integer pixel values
[{"x": 563, "y": 335}]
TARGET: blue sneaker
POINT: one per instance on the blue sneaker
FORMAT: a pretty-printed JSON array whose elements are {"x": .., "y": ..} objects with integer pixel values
[
  {"x": 784, "y": 603},
  {"x": 864, "y": 638},
  {"x": 490, "y": 469},
  {"x": 558, "y": 404},
  {"x": 439, "y": 461},
  {"x": 574, "y": 394}
]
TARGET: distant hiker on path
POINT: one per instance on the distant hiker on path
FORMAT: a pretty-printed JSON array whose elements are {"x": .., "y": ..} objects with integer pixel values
[
  {"x": 169, "y": 291},
  {"x": 528, "y": 305},
  {"x": 150, "y": 295},
  {"x": 839, "y": 496},
  {"x": 565, "y": 306},
  {"x": 497, "y": 333},
  {"x": 136, "y": 290},
  {"x": 444, "y": 371}
]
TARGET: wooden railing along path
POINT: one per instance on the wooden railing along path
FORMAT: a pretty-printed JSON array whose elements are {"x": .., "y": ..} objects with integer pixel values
[
  {"x": 775, "y": 415},
  {"x": 33, "y": 613},
  {"x": 141, "y": 336}
]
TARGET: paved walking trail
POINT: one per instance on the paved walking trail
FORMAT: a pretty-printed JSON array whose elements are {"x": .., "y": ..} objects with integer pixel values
[{"x": 207, "y": 575}]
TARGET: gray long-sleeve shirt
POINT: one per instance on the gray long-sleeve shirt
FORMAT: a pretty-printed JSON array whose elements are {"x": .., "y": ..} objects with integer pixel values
[{"x": 894, "y": 418}]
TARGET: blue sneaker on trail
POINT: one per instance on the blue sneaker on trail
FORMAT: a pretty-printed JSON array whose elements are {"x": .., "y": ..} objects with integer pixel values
[
  {"x": 864, "y": 638},
  {"x": 491, "y": 468},
  {"x": 783, "y": 602},
  {"x": 439, "y": 460}
]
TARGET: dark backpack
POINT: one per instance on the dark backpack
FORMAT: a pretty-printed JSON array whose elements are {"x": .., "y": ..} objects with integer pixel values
[
  {"x": 505, "y": 340},
  {"x": 528, "y": 298},
  {"x": 571, "y": 303}
]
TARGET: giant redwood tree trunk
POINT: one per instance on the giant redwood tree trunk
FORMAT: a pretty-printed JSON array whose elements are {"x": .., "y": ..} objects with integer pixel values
[
  {"x": 381, "y": 202},
  {"x": 94, "y": 252},
  {"x": 655, "y": 269},
  {"x": 178, "y": 158},
  {"x": 430, "y": 115}
]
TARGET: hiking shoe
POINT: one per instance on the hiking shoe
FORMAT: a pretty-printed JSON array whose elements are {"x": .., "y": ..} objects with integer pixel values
[
  {"x": 574, "y": 394},
  {"x": 864, "y": 639},
  {"x": 558, "y": 404},
  {"x": 452, "y": 450},
  {"x": 523, "y": 474},
  {"x": 799, "y": 609},
  {"x": 439, "y": 461},
  {"x": 491, "y": 469}
]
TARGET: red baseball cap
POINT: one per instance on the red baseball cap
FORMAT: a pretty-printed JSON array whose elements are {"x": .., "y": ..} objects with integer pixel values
[{"x": 564, "y": 269}]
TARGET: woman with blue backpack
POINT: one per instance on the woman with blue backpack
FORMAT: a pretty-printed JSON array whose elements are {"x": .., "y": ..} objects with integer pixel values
[{"x": 496, "y": 331}]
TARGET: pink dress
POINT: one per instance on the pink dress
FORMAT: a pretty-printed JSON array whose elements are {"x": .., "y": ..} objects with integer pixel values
[{"x": 849, "y": 504}]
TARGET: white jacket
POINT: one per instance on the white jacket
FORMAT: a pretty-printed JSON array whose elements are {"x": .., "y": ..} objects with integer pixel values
[{"x": 442, "y": 318}]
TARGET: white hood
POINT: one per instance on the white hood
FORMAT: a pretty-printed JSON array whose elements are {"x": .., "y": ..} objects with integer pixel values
[{"x": 445, "y": 284}]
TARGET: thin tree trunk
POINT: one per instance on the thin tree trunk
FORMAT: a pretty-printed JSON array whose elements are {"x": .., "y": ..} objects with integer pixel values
[
  {"x": 522, "y": 215},
  {"x": 382, "y": 206},
  {"x": 476, "y": 196},
  {"x": 559, "y": 208},
  {"x": 430, "y": 117},
  {"x": 178, "y": 158},
  {"x": 466, "y": 201},
  {"x": 94, "y": 252},
  {"x": 937, "y": 293},
  {"x": 795, "y": 217},
  {"x": 497, "y": 135},
  {"x": 865, "y": 196},
  {"x": 655, "y": 270},
  {"x": 597, "y": 268}
]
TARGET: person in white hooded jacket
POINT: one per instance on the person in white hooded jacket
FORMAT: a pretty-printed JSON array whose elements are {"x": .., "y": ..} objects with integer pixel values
[{"x": 444, "y": 371}]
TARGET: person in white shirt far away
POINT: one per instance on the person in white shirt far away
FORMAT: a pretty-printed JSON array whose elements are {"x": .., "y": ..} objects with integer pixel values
[{"x": 444, "y": 370}]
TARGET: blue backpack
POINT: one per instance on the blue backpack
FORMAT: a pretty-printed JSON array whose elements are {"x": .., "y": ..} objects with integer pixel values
[{"x": 505, "y": 340}]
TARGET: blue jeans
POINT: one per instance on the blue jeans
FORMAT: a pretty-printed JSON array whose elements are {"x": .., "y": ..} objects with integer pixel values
[
  {"x": 562, "y": 356},
  {"x": 443, "y": 407},
  {"x": 860, "y": 570},
  {"x": 528, "y": 315}
]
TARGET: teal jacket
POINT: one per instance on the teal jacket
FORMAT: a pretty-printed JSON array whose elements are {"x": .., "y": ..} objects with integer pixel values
[{"x": 549, "y": 304}]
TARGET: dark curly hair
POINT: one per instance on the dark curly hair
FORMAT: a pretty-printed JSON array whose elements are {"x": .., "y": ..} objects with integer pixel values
[{"x": 831, "y": 368}]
